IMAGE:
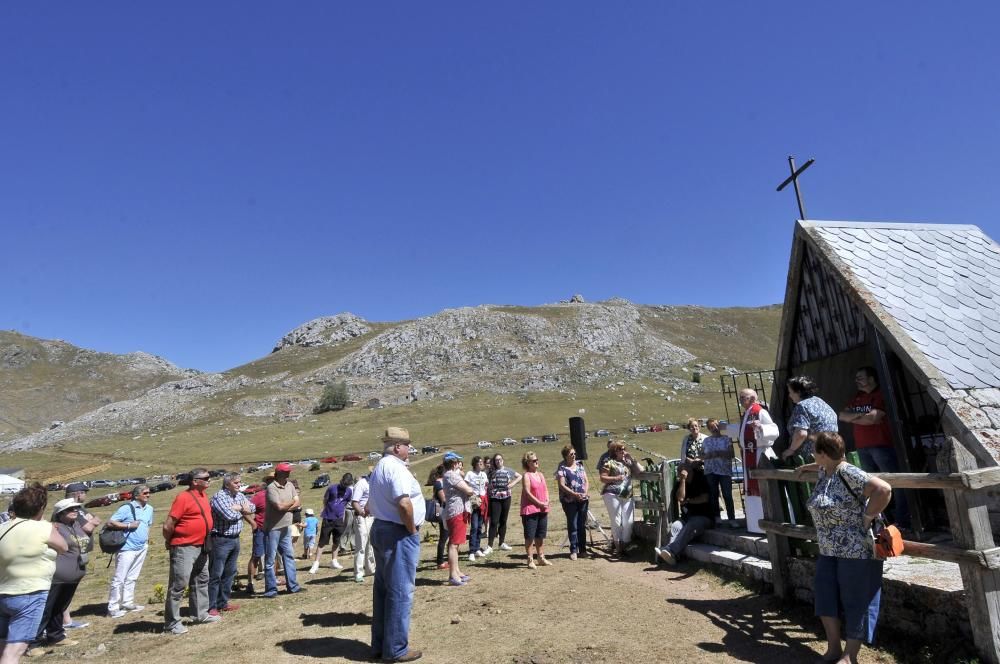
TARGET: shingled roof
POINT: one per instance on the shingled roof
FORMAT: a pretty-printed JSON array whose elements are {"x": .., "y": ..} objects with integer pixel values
[{"x": 941, "y": 284}]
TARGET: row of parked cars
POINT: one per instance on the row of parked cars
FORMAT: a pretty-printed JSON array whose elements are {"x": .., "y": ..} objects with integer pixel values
[{"x": 527, "y": 440}]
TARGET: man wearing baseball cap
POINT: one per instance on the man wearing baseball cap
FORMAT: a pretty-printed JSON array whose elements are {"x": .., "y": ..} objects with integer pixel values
[
  {"x": 397, "y": 503},
  {"x": 282, "y": 499}
]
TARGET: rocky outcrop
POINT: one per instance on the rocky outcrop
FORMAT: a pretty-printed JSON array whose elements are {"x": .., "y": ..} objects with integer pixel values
[{"x": 325, "y": 331}]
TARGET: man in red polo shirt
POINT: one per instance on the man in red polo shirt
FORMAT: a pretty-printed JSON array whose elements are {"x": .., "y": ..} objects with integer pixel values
[
  {"x": 185, "y": 532},
  {"x": 872, "y": 436}
]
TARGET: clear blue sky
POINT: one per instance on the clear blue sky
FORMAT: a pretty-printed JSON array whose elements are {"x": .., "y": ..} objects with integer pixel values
[{"x": 195, "y": 179}]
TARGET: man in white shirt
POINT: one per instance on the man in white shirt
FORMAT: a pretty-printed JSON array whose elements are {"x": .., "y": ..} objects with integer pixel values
[
  {"x": 364, "y": 555},
  {"x": 396, "y": 502}
]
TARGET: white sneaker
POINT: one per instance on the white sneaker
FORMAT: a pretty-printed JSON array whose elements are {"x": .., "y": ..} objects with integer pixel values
[
  {"x": 472, "y": 557},
  {"x": 505, "y": 547},
  {"x": 336, "y": 565},
  {"x": 485, "y": 552},
  {"x": 118, "y": 613},
  {"x": 133, "y": 607},
  {"x": 314, "y": 568}
]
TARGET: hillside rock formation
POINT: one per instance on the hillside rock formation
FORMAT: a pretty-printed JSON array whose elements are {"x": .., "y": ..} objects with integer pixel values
[{"x": 325, "y": 331}]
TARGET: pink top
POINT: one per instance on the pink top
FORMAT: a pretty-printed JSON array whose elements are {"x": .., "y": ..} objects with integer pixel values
[{"x": 539, "y": 490}]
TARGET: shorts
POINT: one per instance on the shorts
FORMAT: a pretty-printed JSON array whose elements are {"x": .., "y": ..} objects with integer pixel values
[
  {"x": 259, "y": 543},
  {"x": 20, "y": 616},
  {"x": 851, "y": 588},
  {"x": 536, "y": 526},
  {"x": 458, "y": 528},
  {"x": 309, "y": 541},
  {"x": 331, "y": 529}
]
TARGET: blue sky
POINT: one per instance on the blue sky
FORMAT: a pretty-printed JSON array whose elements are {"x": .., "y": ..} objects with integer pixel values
[{"x": 195, "y": 179}]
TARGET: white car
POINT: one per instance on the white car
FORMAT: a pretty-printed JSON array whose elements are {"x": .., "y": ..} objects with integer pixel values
[
  {"x": 414, "y": 450},
  {"x": 508, "y": 441},
  {"x": 308, "y": 462},
  {"x": 374, "y": 456},
  {"x": 265, "y": 465},
  {"x": 483, "y": 444}
]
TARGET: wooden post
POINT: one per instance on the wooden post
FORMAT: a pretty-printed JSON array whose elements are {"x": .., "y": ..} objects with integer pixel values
[
  {"x": 777, "y": 545},
  {"x": 666, "y": 513},
  {"x": 970, "y": 525}
]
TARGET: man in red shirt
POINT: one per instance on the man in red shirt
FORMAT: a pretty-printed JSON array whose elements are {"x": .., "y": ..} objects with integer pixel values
[
  {"x": 185, "y": 532},
  {"x": 872, "y": 436}
]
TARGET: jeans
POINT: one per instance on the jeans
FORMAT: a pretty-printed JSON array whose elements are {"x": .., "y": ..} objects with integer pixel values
[
  {"x": 20, "y": 616},
  {"x": 280, "y": 539},
  {"x": 475, "y": 534},
  {"x": 622, "y": 513},
  {"x": 225, "y": 554},
  {"x": 576, "y": 525},
  {"x": 883, "y": 460},
  {"x": 499, "y": 510},
  {"x": 682, "y": 534},
  {"x": 724, "y": 482},
  {"x": 364, "y": 555},
  {"x": 50, "y": 629},
  {"x": 851, "y": 588},
  {"x": 397, "y": 554},
  {"x": 188, "y": 569},
  {"x": 128, "y": 566}
]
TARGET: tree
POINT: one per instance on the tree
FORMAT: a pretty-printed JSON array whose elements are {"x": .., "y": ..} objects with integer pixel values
[{"x": 334, "y": 398}]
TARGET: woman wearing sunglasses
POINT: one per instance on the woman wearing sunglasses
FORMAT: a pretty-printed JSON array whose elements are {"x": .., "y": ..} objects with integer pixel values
[{"x": 534, "y": 510}]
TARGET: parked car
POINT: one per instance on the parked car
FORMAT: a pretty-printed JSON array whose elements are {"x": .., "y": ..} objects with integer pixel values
[
  {"x": 308, "y": 462},
  {"x": 351, "y": 457},
  {"x": 265, "y": 466},
  {"x": 483, "y": 444},
  {"x": 673, "y": 427},
  {"x": 374, "y": 456},
  {"x": 125, "y": 495},
  {"x": 508, "y": 441},
  {"x": 414, "y": 450},
  {"x": 103, "y": 501},
  {"x": 55, "y": 486},
  {"x": 656, "y": 428},
  {"x": 162, "y": 486},
  {"x": 250, "y": 489},
  {"x": 321, "y": 481},
  {"x": 429, "y": 449},
  {"x": 550, "y": 438},
  {"x": 529, "y": 440},
  {"x": 640, "y": 428},
  {"x": 218, "y": 472},
  {"x": 184, "y": 479},
  {"x": 328, "y": 460},
  {"x": 602, "y": 433},
  {"x": 97, "y": 483}
]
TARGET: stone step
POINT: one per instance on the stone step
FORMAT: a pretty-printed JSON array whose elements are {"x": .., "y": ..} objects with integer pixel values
[
  {"x": 737, "y": 540},
  {"x": 744, "y": 564}
]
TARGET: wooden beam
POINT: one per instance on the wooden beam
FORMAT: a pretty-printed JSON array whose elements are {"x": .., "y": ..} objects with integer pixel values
[
  {"x": 964, "y": 481},
  {"x": 969, "y": 518},
  {"x": 777, "y": 544},
  {"x": 649, "y": 506},
  {"x": 646, "y": 476}
]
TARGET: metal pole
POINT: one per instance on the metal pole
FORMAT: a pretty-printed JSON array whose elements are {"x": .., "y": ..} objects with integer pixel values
[{"x": 795, "y": 183}]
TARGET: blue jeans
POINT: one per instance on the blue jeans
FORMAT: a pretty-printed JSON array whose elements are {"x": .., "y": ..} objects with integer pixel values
[
  {"x": 474, "y": 533},
  {"x": 850, "y": 588},
  {"x": 397, "y": 554},
  {"x": 280, "y": 539},
  {"x": 883, "y": 460},
  {"x": 683, "y": 533},
  {"x": 225, "y": 554},
  {"x": 20, "y": 616},
  {"x": 576, "y": 525}
]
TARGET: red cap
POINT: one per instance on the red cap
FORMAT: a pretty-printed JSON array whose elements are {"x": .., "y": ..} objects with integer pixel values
[{"x": 283, "y": 468}]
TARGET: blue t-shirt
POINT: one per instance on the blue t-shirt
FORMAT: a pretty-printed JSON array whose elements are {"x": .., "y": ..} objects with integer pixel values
[
  {"x": 312, "y": 523},
  {"x": 139, "y": 537}
]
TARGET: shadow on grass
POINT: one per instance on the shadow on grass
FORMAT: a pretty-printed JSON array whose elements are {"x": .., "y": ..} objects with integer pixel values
[
  {"x": 326, "y": 580},
  {"x": 756, "y": 628},
  {"x": 98, "y": 609},
  {"x": 328, "y": 646},
  {"x": 139, "y": 627},
  {"x": 335, "y": 619}
]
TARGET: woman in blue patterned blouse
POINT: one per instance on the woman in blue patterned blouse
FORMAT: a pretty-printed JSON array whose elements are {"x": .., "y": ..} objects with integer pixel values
[
  {"x": 848, "y": 583},
  {"x": 810, "y": 417}
]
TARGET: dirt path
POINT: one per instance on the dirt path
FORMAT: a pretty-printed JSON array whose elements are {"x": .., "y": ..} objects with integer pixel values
[{"x": 587, "y": 611}]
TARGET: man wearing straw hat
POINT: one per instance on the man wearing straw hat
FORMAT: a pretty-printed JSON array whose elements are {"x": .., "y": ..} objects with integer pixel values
[{"x": 396, "y": 502}]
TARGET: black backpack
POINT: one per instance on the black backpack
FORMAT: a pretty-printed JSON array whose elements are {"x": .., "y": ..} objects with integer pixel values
[{"x": 112, "y": 540}]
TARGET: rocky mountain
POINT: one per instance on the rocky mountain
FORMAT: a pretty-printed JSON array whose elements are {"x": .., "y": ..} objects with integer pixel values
[
  {"x": 44, "y": 383},
  {"x": 489, "y": 348}
]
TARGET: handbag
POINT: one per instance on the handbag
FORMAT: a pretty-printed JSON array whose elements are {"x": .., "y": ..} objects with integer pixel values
[{"x": 888, "y": 540}]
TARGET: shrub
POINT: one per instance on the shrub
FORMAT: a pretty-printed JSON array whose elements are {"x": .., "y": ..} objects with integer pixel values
[
  {"x": 334, "y": 398},
  {"x": 696, "y": 377},
  {"x": 314, "y": 466}
]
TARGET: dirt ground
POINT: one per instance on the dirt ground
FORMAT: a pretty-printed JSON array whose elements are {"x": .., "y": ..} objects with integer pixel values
[{"x": 589, "y": 610}]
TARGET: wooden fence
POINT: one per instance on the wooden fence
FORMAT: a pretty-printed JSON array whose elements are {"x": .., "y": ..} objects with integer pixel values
[{"x": 974, "y": 550}]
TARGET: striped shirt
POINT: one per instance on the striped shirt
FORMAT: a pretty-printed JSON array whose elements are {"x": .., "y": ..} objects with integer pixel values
[{"x": 226, "y": 514}]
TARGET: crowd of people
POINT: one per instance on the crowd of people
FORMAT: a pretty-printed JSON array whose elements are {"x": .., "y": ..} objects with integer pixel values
[{"x": 380, "y": 513}]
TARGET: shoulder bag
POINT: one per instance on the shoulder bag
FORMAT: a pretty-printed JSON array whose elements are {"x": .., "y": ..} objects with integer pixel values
[{"x": 888, "y": 539}]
